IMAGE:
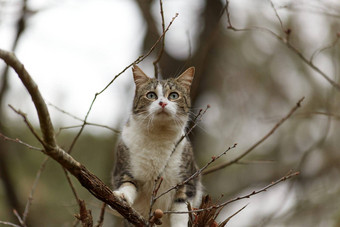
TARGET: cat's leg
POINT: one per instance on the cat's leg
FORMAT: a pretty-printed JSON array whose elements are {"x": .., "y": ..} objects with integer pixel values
[
  {"x": 127, "y": 188},
  {"x": 127, "y": 191},
  {"x": 182, "y": 196},
  {"x": 180, "y": 220}
]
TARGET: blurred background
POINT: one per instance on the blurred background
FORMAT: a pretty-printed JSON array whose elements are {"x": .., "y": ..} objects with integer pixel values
[{"x": 250, "y": 79}]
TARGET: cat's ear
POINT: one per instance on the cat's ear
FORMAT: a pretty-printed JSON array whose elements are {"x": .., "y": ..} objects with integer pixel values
[
  {"x": 186, "y": 78},
  {"x": 139, "y": 76}
]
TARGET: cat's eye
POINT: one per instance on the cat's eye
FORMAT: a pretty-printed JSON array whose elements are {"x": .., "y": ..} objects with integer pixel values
[
  {"x": 151, "y": 95},
  {"x": 173, "y": 96}
]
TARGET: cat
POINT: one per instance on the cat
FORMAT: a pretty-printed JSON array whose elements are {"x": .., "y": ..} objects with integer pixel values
[{"x": 146, "y": 149}]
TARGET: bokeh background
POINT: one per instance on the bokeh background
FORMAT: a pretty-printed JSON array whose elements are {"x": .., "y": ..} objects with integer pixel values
[{"x": 250, "y": 79}]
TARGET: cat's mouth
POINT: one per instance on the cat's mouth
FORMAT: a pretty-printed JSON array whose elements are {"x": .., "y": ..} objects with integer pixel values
[{"x": 163, "y": 112}]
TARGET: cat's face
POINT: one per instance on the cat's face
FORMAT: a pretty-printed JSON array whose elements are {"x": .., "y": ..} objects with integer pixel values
[{"x": 162, "y": 100}]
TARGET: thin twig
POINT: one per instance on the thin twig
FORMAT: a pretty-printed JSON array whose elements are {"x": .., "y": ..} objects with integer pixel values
[
  {"x": 28, "y": 123},
  {"x": 21, "y": 142},
  {"x": 71, "y": 186},
  {"x": 138, "y": 60},
  {"x": 233, "y": 215},
  {"x": 324, "y": 12},
  {"x": 163, "y": 41},
  {"x": 85, "y": 216},
  {"x": 64, "y": 112},
  {"x": 89, "y": 124},
  {"x": 8, "y": 223},
  {"x": 196, "y": 120},
  {"x": 286, "y": 177},
  {"x": 247, "y": 162},
  {"x": 156, "y": 187},
  {"x": 316, "y": 52},
  {"x": 277, "y": 15},
  {"x": 101, "y": 216},
  {"x": 198, "y": 172},
  {"x": 34, "y": 186},
  {"x": 284, "y": 41},
  {"x": 87, "y": 179},
  {"x": 79, "y": 119},
  {"x": 223, "y": 165},
  {"x": 22, "y": 223},
  {"x": 335, "y": 116}
]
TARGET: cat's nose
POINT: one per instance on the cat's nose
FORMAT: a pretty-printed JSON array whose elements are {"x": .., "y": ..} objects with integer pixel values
[{"x": 162, "y": 104}]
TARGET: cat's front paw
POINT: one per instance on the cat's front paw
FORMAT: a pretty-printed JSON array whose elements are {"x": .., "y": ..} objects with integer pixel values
[{"x": 123, "y": 196}]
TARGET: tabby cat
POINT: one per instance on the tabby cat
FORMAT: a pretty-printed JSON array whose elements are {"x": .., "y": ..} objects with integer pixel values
[{"x": 146, "y": 148}]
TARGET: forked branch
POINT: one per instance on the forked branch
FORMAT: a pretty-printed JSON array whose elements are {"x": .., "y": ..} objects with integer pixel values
[
  {"x": 284, "y": 178},
  {"x": 285, "y": 41},
  {"x": 88, "y": 180},
  {"x": 278, "y": 124}
]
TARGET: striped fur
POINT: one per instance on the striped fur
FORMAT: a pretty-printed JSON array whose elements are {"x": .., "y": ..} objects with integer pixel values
[{"x": 145, "y": 151}]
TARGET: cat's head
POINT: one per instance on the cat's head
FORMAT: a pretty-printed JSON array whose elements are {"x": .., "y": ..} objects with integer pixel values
[{"x": 166, "y": 101}]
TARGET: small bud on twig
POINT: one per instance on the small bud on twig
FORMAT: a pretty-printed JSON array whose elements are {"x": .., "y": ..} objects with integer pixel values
[
  {"x": 158, "y": 213},
  {"x": 288, "y": 31}
]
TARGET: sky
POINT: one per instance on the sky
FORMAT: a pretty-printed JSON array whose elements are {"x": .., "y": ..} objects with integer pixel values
[{"x": 73, "y": 49}]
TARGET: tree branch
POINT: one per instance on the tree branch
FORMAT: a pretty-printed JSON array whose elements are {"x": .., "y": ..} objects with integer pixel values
[
  {"x": 88, "y": 180},
  {"x": 35, "y": 183},
  {"x": 223, "y": 165},
  {"x": 284, "y": 41},
  {"x": 155, "y": 62},
  {"x": 9, "y": 224},
  {"x": 286, "y": 177},
  {"x": 138, "y": 60}
]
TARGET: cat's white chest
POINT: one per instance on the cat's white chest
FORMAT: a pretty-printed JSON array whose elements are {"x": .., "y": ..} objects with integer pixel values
[{"x": 149, "y": 154}]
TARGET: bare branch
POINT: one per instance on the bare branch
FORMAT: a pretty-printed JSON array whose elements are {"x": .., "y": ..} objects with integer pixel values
[
  {"x": 21, "y": 142},
  {"x": 316, "y": 52},
  {"x": 163, "y": 41},
  {"x": 28, "y": 123},
  {"x": 138, "y": 60},
  {"x": 198, "y": 172},
  {"x": 284, "y": 41},
  {"x": 71, "y": 186},
  {"x": 88, "y": 180},
  {"x": 34, "y": 186},
  {"x": 335, "y": 116},
  {"x": 8, "y": 223},
  {"x": 101, "y": 216},
  {"x": 156, "y": 187},
  {"x": 159, "y": 179},
  {"x": 247, "y": 196},
  {"x": 84, "y": 215},
  {"x": 223, "y": 165},
  {"x": 231, "y": 216},
  {"x": 277, "y": 15},
  {"x": 247, "y": 162},
  {"x": 22, "y": 223},
  {"x": 79, "y": 119}
]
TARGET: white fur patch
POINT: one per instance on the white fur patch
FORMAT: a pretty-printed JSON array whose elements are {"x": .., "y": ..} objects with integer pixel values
[
  {"x": 127, "y": 193},
  {"x": 151, "y": 140},
  {"x": 149, "y": 153},
  {"x": 180, "y": 220},
  {"x": 155, "y": 107}
]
